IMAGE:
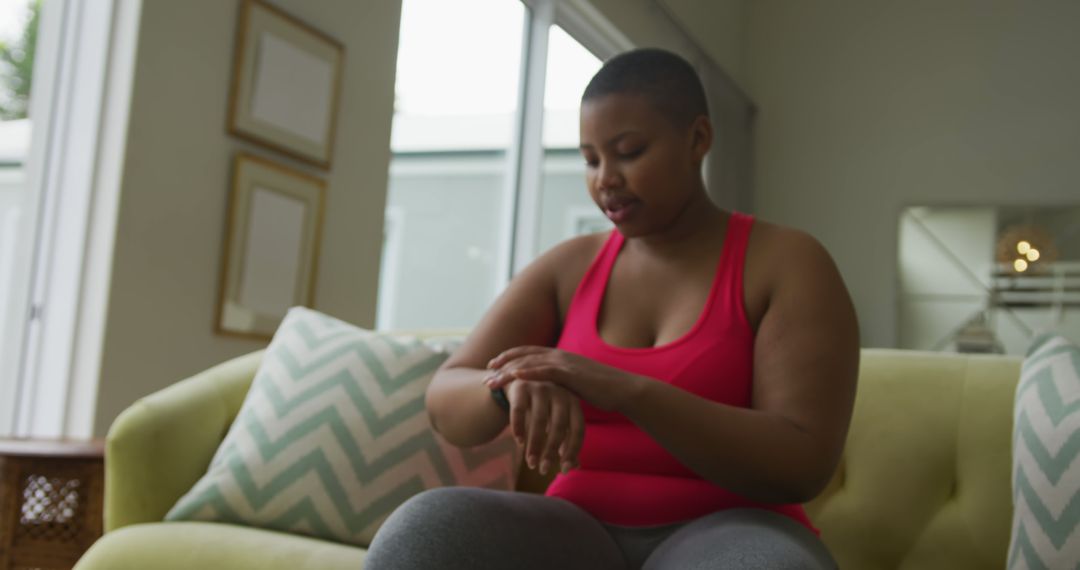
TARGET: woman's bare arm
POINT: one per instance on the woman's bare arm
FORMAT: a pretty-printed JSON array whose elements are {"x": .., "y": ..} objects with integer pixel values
[{"x": 459, "y": 406}]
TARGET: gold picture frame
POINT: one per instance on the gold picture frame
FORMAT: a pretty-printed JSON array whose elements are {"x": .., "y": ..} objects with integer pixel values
[
  {"x": 272, "y": 246},
  {"x": 286, "y": 84}
]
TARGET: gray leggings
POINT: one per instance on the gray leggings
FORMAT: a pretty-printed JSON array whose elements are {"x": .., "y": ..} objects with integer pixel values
[{"x": 471, "y": 528}]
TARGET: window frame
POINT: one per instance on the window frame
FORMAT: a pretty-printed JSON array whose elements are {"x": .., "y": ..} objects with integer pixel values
[{"x": 520, "y": 220}]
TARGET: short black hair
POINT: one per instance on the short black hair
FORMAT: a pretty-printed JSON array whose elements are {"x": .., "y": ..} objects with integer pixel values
[{"x": 667, "y": 80}]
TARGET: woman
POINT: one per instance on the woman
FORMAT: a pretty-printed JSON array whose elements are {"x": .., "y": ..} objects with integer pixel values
[{"x": 691, "y": 372}]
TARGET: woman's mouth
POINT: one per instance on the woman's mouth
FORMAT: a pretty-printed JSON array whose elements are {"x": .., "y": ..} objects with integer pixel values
[{"x": 621, "y": 211}]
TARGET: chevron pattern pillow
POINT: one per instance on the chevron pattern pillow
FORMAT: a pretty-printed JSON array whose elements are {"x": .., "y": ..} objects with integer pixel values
[
  {"x": 1046, "y": 444},
  {"x": 334, "y": 435}
]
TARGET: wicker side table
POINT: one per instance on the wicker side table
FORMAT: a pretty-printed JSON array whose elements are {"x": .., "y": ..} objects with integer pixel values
[{"x": 50, "y": 501}]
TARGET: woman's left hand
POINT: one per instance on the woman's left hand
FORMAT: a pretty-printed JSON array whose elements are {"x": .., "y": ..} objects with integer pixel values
[{"x": 605, "y": 387}]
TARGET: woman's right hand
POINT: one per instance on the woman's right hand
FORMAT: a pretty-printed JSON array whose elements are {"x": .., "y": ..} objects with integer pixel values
[{"x": 547, "y": 419}]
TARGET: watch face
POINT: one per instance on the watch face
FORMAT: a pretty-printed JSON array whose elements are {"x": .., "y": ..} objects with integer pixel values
[{"x": 500, "y": 397}]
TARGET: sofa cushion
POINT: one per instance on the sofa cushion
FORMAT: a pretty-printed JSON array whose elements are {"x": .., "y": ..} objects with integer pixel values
[
  {"x": 334, "y": 435},
  {"x": 1046, "y": 443},
  {"x": 187, "y": 545}
]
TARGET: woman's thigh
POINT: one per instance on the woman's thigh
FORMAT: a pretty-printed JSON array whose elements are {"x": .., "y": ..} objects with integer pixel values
[
  {"x": 738, "y": 539},
  {"x": 479, "y": 529}
]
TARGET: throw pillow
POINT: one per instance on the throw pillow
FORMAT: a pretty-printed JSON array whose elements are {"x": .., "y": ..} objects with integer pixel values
[
  {"x": 1046, "y": 443},
  {"x": 333, "y": 435}
]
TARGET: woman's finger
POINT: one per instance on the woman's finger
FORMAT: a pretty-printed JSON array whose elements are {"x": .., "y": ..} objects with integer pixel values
[
  {"x": 536, "y": 371},
  {"x": 513, "y": 371},
  {"x": 575, "y": 437},
  {"x": 557, "y": 432},
  {"x": 513, "y": 353},
  {"x": 539, "y": 418},
  {"x": 519, "y": 399}
]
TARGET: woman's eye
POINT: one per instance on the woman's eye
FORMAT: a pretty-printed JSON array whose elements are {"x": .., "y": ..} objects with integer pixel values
[{"x": 633, "y": 154}]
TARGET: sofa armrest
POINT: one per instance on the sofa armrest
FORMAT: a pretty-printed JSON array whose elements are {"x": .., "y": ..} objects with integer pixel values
[{"x": 159, "y": 447}]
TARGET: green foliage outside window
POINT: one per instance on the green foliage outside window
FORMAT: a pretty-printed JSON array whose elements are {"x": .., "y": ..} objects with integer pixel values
[{"x": 17, "y": 67}]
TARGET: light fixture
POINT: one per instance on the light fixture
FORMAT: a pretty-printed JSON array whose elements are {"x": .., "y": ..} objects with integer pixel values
[{"x": 1034, "y": 245}]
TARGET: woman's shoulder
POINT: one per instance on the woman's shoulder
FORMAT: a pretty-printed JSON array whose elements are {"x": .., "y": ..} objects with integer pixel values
[
  {"x": 568, "y": 260},
  {"x": 574, "y": 251},
  {"x": 779, "y": 246},
  {"x": 557, "y": 265},
  {"x": 779, "y": 258},
  {"x": 773, "y": 234}
]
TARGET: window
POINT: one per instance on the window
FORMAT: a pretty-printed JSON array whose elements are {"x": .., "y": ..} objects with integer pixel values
[
  {"x": 565, "y": 209},
  {"x": 454, "y": 111},
  {"x": 486, "y": 172}
]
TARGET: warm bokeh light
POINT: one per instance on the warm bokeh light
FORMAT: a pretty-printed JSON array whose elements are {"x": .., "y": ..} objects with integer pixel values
[
  {"x": 1020, "y": 265},
  {"x": 1033, "y": 254},
  {"x": 1023, "y": 247}
]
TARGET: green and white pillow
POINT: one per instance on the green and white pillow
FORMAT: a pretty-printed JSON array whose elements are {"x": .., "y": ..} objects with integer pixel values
[
  {"x": 334, "y": 435},
  {"x": 1046, "y": 458}
]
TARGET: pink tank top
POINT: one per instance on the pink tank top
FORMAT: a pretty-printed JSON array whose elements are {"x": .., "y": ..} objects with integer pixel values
[{"x": 625, "y": 477}]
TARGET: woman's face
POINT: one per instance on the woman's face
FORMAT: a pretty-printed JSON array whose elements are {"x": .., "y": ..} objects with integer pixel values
[{"x": 640, "y": 168}]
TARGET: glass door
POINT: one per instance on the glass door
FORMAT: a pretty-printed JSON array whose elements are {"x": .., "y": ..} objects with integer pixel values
[
  {"x": 458, "y": 73},
  {"x": 566, "y": 210},
  {"x": 18, "y": 43},
  {"x": 486, "y": 171}
]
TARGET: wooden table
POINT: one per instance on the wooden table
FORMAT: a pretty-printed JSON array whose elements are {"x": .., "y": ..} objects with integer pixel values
[{"x": 50, "y": 501}]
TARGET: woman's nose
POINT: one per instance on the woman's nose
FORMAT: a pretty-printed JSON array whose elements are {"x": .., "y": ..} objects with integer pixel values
[{"x": 609, "y": 176}]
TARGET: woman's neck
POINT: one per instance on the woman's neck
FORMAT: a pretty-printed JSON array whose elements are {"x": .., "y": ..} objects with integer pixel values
[{"x": 699, "y": 221}]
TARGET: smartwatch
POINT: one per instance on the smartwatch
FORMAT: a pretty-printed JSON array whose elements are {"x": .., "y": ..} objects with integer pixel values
[{"x": 499, "y": 395}]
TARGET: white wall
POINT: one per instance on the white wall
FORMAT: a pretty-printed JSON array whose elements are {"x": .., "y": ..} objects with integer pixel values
[
  {"x": 713, "y": 26},
  {"x": 868, "y": 107},
  {"x": 717, "y": 27},
  {"x": 175, "y": 187}
]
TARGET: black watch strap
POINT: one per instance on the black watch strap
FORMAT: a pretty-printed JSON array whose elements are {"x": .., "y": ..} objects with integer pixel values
[{"x": 500, "y": 398}]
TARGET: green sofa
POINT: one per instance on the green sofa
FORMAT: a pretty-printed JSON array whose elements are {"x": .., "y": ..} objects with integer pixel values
[{"x": 924, "y": 483}]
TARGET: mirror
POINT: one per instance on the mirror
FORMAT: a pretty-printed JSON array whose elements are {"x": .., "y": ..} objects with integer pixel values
[{"x": 987, "y": 278}]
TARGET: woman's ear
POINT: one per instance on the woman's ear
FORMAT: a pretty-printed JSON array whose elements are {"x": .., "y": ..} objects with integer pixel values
[{"x": 701, "y": 137}]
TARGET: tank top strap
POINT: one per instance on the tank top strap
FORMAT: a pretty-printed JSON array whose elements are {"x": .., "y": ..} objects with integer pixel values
[
  {"x": 589, "y": 293},
  {"x": 729, "y": 308},
  {"x": 609, "y": 252}
]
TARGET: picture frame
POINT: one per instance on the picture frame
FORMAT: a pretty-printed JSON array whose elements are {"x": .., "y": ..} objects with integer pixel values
[
  {"x": 272, "y": 245},
  {"x": 286, "y": 84}
]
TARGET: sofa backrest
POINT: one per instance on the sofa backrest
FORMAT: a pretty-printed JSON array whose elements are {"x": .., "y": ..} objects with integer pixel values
[{"x": 925, "y": 477}]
